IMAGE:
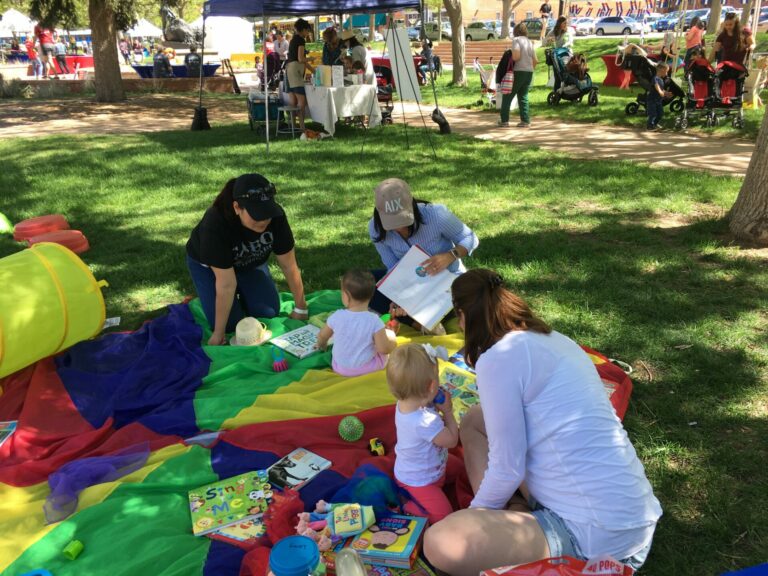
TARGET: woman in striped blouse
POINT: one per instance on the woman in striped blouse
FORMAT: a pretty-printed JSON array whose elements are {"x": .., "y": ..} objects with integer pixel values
[{"x": 401, "y": 221}]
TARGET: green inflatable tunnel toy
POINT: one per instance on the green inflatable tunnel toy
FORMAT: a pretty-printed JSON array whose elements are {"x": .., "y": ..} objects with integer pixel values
[{"x": 49, "y": 301}]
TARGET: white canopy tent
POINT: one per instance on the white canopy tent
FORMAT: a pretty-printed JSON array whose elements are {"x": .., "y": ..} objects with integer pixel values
[
  {"x": 227, "y": 35},
  {"x": 145, "y": 29},
  {"x": 15, "y": 21}
]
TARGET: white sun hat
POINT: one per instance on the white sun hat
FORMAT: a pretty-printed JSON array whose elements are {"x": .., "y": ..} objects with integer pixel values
[{"x": 250, "y": 332}]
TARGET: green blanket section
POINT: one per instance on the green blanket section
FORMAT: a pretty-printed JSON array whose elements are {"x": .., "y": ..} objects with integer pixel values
[
  {"x": 112, "y": 535},
  {"x": 238, "y": 376}
]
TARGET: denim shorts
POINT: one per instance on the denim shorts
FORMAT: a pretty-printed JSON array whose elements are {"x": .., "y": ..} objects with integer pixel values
[{"x": 562, "y": 541}]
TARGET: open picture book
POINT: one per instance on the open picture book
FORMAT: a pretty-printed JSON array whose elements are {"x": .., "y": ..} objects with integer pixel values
[{"x": 427, "y": 299}]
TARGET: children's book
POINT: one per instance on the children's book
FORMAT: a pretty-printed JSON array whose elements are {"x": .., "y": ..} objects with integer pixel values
[
  {"x": 392, "y": 541},
  {"x": 420, "y": 568},
  {"x": 244, "y": 534},
  {"x": 426, "y": 298},
  {"x": 461, "y": 385},
  {"x": 301, "y": 342},
  {"x": 6, "y": 430},
  {"x": 297, "y": 469},
  {"x": 319, "y": 320},
  {"x": 460, "y": 362},
  {"x": 231, "y": 501}
]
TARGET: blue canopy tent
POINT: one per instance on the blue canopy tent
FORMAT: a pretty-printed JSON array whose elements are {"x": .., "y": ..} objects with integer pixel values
[{"x": 269, "y": 8}]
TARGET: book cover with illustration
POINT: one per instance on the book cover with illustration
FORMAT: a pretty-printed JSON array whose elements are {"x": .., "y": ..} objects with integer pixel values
[
  {"x": 461, "y": 385},
  {"x": 226, "y": 502},
  {"x": 420, "y": 568},
  {"x": 244, "y": 534},
  {"x": 6, "y": 430},
  {"x": 297, "y": 469},
  {"x": 392, "y": 541},
  {"x": 301, "y": 342}
]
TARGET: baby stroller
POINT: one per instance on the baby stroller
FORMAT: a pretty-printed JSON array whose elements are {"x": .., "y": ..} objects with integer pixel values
[
  {"x": 645, "y": 71},
  {"x": 487, "y": 82},
  {"x": 701, "y": 93},
  {"x": 572, "y": 85},
  {"x": 273, "y": 68},
  {"x": 385, "y": 86},
  {"x": 729, "y": 93}
]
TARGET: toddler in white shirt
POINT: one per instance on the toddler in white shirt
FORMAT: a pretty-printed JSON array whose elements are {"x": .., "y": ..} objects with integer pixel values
[
  {"x": 360, "y": 340},
  {"x": 423, "y": 436}
]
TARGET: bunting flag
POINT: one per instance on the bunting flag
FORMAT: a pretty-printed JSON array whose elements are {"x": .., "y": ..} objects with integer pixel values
[
  {"x": 588, "y": 13},
  {"x": 124, "y": 424},
  {"x": 619, "y": 9}
]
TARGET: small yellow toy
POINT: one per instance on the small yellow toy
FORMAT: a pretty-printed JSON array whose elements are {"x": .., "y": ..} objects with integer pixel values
[{"x": 376, "y": 447}]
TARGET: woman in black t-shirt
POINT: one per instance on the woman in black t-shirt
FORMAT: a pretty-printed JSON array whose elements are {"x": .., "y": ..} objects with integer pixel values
[
  {"x": 227, "y": 256},
  {"x": 733, "y": 42},
  {"x": 297, "y": 66}
]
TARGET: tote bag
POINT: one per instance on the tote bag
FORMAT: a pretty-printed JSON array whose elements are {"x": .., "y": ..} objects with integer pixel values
[{"x": 509, "y": 78}]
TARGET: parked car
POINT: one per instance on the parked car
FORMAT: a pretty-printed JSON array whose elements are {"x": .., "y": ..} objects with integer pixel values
[
  {"x": 584, "y": 26},
  {"x": 534, "y": 26},
  {"x": 414, "y": 33},
  {"x": 619, "y": 25},
  {"x": 702, "y": 13},
  {"x": 364, "y": 33},
  {"x": 479, "y": 31},
  {"x": 669, "y": 21},
  {"x": 762, "y": 23},
  {"x": 432, "y": 32}
]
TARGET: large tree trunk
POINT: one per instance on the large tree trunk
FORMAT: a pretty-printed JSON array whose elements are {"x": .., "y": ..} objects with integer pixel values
[
  {"x": 506, "y": 10},
  {"x": 745, "y": 13},
  {"x": 453, "y": 7},
  {"x": 749, "y": 215},
  {"x": 714, "y": 18},
  {"x": 109, "y": 83}
]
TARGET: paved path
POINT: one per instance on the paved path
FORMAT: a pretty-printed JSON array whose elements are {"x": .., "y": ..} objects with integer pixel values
[
  {"x": 158, "y": 112},
  {"x": 661, "y": 149}
]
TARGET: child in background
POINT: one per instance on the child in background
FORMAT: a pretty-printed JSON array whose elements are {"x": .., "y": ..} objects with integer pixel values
[
  {"x": 423, "y": 437},
  {"x": 655, "y": 100},
  {"x": 34, "y": 59},
  {"x": 361, "y": 341}
]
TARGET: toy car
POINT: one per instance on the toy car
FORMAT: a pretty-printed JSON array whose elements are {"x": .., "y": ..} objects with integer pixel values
[{"x": 376, "y": 447}]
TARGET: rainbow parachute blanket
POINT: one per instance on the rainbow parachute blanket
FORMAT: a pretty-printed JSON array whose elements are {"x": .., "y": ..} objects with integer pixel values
[{"x": 115, "y": 420}]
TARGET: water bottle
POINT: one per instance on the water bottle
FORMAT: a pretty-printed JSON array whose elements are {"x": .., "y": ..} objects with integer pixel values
[{"x": 348, "y": 563}]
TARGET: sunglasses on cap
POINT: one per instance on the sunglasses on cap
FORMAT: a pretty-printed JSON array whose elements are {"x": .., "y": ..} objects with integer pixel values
[{"x": 262, "y": 193}]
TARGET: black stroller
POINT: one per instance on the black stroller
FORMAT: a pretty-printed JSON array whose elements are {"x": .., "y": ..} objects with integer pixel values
[
  {"x": 644, "y": 70},
  {"x": 569, "y": 86},
  {"x": 385, "y": 86}
]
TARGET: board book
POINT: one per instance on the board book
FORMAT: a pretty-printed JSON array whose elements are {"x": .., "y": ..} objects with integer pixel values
[
  {"x": 296, "y": 469},
  {"x": 461, "y": 385},
  {"x": 392, "y": 541},
  {"x": 226, "y": 502},
  {"x": 301, "y": 342},
  {"x": 427, "y": 299},
  {"x": 245, "y": 534},
  {"x": 6, "y": 430}
]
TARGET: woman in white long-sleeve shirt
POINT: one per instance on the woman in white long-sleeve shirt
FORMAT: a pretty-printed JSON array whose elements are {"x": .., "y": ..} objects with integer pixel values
[{"x": 544, "y": 427}]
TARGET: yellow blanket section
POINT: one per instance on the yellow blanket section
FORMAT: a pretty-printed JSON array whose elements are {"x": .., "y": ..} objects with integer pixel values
[
  {"x": 22, "y": 508},
  {"x": 325, "y": 393}
]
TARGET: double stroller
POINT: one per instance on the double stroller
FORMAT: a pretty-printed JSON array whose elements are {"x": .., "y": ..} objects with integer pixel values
[
  {"x": 572, "y": 81},
  {"x": 714, "y": 94},
  {"x": 644, "y": 70}
]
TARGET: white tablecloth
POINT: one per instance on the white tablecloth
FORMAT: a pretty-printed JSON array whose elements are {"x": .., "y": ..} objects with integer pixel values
[{"x": 327, "y": 105}]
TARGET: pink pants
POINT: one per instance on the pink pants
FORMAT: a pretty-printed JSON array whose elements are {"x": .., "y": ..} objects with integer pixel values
[
  {"x": 431, "y": 498},
  {"x": 373, "y": 365}
]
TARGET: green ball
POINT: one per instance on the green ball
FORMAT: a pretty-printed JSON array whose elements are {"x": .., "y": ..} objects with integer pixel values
[{"x": 351, "y": 428}]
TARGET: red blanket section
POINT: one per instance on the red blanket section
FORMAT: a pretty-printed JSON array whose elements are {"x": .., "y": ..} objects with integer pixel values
[{"x": 51, "y": 431}]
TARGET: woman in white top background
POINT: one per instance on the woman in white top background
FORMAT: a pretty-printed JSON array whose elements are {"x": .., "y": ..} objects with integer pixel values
[{"x": 544, "y": 427}]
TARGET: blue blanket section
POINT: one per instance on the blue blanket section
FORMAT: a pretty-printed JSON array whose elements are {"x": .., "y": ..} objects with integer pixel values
[
  {"x": 149, "y": 376},
  {"x": 228, "y": 460},
  {"x": 761, "y": 570},
  {"x": 223, "y": 559}
]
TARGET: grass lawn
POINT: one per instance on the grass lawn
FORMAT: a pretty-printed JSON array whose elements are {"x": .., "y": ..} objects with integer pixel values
[
  {"x": 630, "y": 260},
  {"x": 612, "y": 100}
]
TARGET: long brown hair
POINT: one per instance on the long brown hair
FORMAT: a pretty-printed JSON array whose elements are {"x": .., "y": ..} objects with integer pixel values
[
  {"x": 223, "y": 202},
  {"x": 738, "y": 30},
  {"x": 490, "y": 311}
]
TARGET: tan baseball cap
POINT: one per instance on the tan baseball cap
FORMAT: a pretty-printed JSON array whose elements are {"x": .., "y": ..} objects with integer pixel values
[{"x": 394, "y": 203}]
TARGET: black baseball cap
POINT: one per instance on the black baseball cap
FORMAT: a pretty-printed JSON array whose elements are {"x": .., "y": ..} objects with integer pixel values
[{"x": 257, "y": 195}]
